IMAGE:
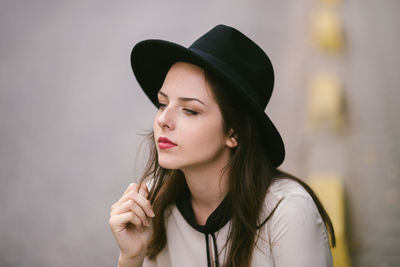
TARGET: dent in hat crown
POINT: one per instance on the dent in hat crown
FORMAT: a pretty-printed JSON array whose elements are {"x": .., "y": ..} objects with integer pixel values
[{"x": 243, "y": 57}]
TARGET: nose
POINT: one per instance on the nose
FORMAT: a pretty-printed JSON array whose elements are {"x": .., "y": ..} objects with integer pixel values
[{"x": 165, "y": 119}]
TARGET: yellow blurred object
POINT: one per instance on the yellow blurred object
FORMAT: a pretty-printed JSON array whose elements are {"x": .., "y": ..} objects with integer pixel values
[
  {"x": 327, "y": 30},
  {"x": 325, "y": 102},
  {"x": 329, "y": 189}
]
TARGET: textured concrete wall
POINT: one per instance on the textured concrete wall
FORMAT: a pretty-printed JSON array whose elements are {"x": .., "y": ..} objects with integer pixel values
[{"x": 70, "y": 112}]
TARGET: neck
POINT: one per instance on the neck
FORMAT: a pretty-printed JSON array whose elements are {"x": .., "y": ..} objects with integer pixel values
[{"x": 208, "y": 187}]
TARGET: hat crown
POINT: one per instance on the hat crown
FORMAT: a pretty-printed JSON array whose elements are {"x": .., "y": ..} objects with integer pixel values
[{"x": 245, "y": 59}]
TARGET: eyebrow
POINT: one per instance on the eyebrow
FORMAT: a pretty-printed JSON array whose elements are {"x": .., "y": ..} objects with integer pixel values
[{"x": 183, "y": 98}]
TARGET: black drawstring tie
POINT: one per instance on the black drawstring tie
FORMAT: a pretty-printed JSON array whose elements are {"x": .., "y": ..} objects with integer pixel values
[{"x": 212, "y": 250}]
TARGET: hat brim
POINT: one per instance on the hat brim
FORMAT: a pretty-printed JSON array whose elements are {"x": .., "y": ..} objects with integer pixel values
[{"x": 151, "y": 60}]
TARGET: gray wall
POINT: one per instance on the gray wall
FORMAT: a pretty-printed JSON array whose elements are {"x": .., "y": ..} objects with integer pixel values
[{"x": 71, "y": 111}]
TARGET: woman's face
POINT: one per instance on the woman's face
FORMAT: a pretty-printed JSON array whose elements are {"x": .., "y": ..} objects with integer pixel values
[{"x": 188, "y": 128}]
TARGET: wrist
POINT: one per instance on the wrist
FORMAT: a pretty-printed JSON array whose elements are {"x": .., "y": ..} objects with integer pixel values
[{"x": 130, "y": 261}]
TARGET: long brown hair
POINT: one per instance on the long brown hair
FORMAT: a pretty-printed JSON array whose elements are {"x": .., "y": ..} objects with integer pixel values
[{"x": 250, "y": 175}]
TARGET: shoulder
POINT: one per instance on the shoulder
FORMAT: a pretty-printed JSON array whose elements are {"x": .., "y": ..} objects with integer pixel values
[
  {"x": 289, "y": 207},
  {"x": 286, "y": 186},
  {"x": 284, "y": 189},
  {"x": 293, "y": 215},
  {"x": 295, "y": 226}
]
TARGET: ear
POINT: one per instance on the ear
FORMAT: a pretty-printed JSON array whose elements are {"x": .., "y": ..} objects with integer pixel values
[{"x": 231, "y": 140}]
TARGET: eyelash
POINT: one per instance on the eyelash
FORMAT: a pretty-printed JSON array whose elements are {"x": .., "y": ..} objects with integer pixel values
[
  {"x": 188, "y": 111},
  {"x": 191, "y": 112},
  {"x": 160, "y": 106}
]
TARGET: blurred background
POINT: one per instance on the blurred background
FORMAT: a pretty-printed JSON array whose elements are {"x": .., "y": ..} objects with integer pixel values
[{"x": 71, "y": 113}]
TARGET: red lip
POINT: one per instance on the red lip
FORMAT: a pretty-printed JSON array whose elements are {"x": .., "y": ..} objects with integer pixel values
[
  {"x": 165, "y": 140},
  {"x": 165, "y": 143}
]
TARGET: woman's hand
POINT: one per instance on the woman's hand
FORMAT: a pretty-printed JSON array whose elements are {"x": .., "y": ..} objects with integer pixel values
[{"x": 131, "y": 223}]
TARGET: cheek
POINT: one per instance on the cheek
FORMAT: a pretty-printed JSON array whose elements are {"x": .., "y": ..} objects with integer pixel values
[
  {"x": 206, "y": 134},
  {"x": 156, "y": 126}
]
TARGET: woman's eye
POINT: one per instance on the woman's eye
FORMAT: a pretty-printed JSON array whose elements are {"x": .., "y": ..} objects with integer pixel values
[
  {"x": 161, "y": 106},
  {"x": 190, "y": 112}
]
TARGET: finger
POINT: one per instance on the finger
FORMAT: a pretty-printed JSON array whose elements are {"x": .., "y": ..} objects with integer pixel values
[
  {"x": 131, "y": 206},
  {"x": 126, "y": 197},
  {"x": 136, "y": 222},
  {"x": 139, "y": 212},
  {"x": 124, "y": 207},
  {"x": 132, "y": 195},
  {"x": 143, "y": 190},
  {"x": 144, "y": 203},
  {"x": 131, "y": 186},
  {"x": 121, "y": 219},
  {"x": 116, "y": 205},
  {"x": 139, "y": 205}
]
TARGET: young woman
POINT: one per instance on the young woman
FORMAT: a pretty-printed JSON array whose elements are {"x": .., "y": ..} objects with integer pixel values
[{"x": 211, "y": 194}]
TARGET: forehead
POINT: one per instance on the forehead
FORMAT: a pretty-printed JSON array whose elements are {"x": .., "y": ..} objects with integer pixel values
[{"x": 186, "y": 80}]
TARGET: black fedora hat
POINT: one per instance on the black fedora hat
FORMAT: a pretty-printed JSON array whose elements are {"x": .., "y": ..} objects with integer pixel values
[{"x": 230, "y": 56}]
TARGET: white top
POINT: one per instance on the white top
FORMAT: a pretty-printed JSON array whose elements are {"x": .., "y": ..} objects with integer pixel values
[{"x": 295, "y": 235}]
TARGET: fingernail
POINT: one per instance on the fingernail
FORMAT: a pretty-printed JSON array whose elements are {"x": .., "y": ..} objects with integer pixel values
[
  {"x": 151, "y": 212},
  {"x": 146, "y": 223}
]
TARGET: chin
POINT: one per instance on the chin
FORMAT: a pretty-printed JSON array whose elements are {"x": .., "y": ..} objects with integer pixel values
[{"x": 166, "y": 164}]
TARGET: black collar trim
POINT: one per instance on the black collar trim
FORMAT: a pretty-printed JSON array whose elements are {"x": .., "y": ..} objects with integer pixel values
[{"x": 218, "y": 218}]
